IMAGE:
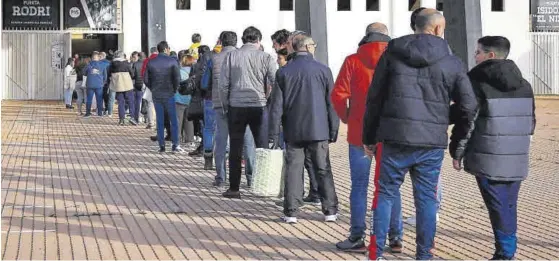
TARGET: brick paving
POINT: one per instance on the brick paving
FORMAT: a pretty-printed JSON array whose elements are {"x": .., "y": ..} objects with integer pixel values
[{"x": 76, "y": 188}]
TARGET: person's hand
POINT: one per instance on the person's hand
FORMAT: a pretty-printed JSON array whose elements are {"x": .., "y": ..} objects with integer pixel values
[
  {"x": 370, "y": 150},
  {"x": 457, "y": 164}
]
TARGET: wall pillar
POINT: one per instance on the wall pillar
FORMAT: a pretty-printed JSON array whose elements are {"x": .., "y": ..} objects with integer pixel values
[
  {"x": 463, "y": 28},
  {"x": 310, "y": 16},
  {"x": 153, "y": 23}
]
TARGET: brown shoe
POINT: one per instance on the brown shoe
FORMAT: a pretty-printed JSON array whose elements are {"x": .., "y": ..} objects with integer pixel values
[{"x": 232, "y": 194}]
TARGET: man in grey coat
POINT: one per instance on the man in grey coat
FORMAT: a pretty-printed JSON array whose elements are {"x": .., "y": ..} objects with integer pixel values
[
  {"x": 228, "y": 40},
  {"x": 247, "y": 75}
]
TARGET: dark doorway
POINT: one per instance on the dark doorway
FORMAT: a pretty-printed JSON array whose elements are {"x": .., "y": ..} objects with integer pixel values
[{"x": 85, "y": 44}]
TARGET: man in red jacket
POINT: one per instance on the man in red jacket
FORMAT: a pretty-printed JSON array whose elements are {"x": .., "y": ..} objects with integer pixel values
[{"x": 349, "y": 99}]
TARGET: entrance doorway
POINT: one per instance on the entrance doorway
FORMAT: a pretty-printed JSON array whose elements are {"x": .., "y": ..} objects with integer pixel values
[{"x": 86, "y": 44}]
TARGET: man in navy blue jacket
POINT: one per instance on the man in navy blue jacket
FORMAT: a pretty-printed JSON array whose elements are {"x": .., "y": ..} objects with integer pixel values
[
  {"x": 162, "y": 77},
  {"x": 408, "y": 113},
  {"x": 301, "y": 99},
  {"x": 96, "y": 73}
]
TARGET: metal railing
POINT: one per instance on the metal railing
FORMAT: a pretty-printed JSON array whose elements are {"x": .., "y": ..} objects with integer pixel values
[{"x": 544, "y": 63}]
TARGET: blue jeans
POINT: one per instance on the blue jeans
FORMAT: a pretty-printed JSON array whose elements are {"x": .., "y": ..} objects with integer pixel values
[
  {"x": 360, "y": 168},
  {"x": 68, "y": 96},
  {"x": 221, "y": 137},
  {"x": 98, "y": 92},
  {"x": 160, "y": 109},
  {"x": 111, "y": 102},
  {"x": 138, "y": 94},
  {"x": 501, "y": 199},
  {"x": 424, "y": 165},
  {"x": 209, "y": 126}
]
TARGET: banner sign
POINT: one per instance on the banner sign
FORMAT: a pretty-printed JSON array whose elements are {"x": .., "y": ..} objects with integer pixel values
[
  {"x": 31, "y": 15},
  {"x": 105, "y": 15},
  {"x": 544, "y": 15}
]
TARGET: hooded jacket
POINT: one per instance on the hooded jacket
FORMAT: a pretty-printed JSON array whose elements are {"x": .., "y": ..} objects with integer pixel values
[
  {"x": 499, "y": 147},
  {"x": 353, "y": 83},
  {"x": 121, "y": 76},
  {"x": 96, "y": 72},
  {"x": 408, "y": 102}
]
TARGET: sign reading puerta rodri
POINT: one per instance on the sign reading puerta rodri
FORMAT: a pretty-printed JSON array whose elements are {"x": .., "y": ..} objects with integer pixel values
[
  {"x": 92, "y": 14},
  {"x": 31, "y": 14},
  {"x": 545, "y": 15}
]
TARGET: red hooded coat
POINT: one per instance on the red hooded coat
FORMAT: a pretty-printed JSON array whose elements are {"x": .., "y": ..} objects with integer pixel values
[{"x": 353, "y": 83}]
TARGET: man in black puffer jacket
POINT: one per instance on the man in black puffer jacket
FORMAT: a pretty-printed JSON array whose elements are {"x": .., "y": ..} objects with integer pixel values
[
  {"x": 407, "y": 112},
  {"x": 498, "y": 151}
]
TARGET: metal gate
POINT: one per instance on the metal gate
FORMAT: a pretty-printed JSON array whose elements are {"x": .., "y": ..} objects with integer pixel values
[
  {"x": 544, "y": 63},
  {"x": 33, "y": 65}
]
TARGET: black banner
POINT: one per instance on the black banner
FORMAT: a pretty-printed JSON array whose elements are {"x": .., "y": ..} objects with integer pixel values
[
  {"x": 92, "y": 14},
  {"x": 544, "y": 15},
  {"x": 31, "y": 15}
]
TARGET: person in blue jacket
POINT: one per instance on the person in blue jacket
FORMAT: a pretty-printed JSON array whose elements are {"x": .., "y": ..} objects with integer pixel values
[{"x": 96, "y": 73}]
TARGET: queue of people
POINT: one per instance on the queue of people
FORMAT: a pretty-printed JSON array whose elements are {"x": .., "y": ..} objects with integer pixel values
[{"x": 397, "y": 96}]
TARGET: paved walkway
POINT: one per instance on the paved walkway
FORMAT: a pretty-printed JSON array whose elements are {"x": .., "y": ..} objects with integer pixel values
[{"x": 76, "y": 188}]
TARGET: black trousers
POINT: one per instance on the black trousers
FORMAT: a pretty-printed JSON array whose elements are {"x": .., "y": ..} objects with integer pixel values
[
  {"x": 239, "y": 118},
  {"x": 293, "y": 187},
  {"x": 313, "y": 186}
]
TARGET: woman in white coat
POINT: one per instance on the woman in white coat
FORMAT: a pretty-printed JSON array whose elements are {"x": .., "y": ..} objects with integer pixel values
[{"x": 69, "y": 83}]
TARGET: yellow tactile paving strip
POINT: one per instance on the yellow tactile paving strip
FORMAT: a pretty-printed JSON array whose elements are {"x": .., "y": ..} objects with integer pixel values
[{"x": 77, "y": 188}]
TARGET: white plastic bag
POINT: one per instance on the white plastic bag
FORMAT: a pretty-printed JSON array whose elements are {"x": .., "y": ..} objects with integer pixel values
[{"x": 267, "y": 173}]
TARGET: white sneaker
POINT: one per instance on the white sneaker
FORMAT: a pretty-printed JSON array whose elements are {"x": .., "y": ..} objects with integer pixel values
[
  {"x": 289, "y": 220},
  {"x": 178, "y": 150},
  {"x": 437, "y": 217},
  {"x": 331, "y": 218}
]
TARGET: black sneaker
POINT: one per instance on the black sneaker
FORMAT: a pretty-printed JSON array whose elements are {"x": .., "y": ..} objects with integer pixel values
[
  {"x": 161, "y": 149},
  {"x": 312, "y": 201},
  {"x": 232, "y": 194},
  {"x": 396, "y": 246},
  {"x": 121, "y": 122},
  {"x": 133, "y": 121},
  {"x": 208, "y": 162},
  {"x": 217, "y": 183},
  {"x": 153, "y": 138},
  {"x": 87, "y": 115},
  {"x": 352, "y": 244},
  {"x": 196, "y": 153}
]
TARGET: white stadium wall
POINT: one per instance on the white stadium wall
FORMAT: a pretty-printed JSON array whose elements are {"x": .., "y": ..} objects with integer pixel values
[{"x": 345, "y": 28}]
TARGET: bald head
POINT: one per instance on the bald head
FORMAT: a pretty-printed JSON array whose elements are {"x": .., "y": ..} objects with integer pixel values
[
  {"x": 430, "y": 21},
  {"x": 376, "y": 28}
]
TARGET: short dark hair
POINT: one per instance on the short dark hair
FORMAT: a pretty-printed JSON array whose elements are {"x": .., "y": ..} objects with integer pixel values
[
  {"x": 142, "y": 55},
  {"x": 282, "y": 52},
  {"x": 251, "y": 35},
  {"x": 281, "y": 36},
  {"x": 161, "y": 46},
  {"x": 196, "y": 38},
  {"x": 228, "y": 38},
  {"x": 498, "y": 44},
  {"x": 134, "y": 53},
  {"x": 414, "y": 17},
  {"x": 173, "y": 53},
  {"x": 152, "y": 50},
  {"x": 202, "y": 49}
]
